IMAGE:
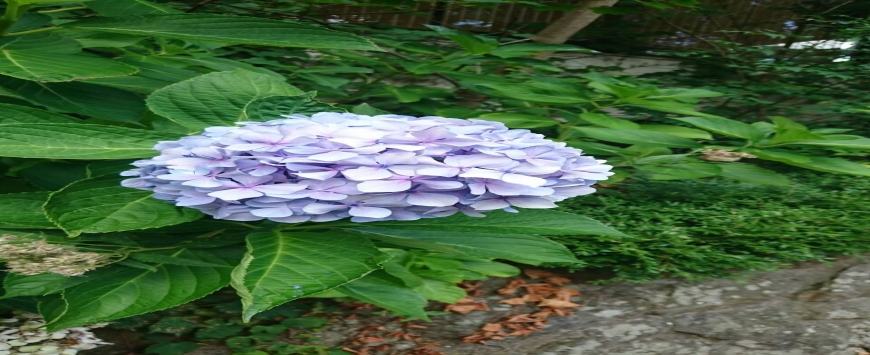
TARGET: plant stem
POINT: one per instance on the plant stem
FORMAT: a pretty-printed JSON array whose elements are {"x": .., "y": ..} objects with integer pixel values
[
  {"x": 10, "y": 16},
  {"x": 62, "y": 9},
  {"x": 38, "y": 30}
]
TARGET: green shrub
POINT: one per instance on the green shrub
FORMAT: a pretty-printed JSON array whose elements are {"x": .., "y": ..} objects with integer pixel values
[{"x": 708, "y": 228}]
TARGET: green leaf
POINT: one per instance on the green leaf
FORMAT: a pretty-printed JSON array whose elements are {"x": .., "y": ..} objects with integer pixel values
[
  {"x": 529, "y": 249},
  {"x": 597, "y": 148},
  {"x": 82, "y": 98},
  {"x": 490, "y": 268},
  {"x": 685, "y": 132},
  {"x": 541, "y": 91},
  {"x": 283, "y": 266},
  {"x": 680, "y": 171},
  {"x": 527, "y": 221},
  {"x": 216, "y": 99},
  {"x": 102, "y": 205},
  {"x": 830, "y": 165},
  {"x": 725, "y": 127},
  {"x": 22, "y": 114},
  {"x": 527, "y": 49},
  {"x": 77, "y": 141},
  {"x": 520, "y": 120},
  {"x": 669, "y": 107},
  {"x": 163, "y": 257},
  {"x": 385, "y": 291},
  {"x": 404, "y": 95},
  {"x": 368, "y": 110},
  {"x": 273, "y": 108},
  {"x": 24, "y": 211},
  {"x": 15, "y": 285},
  {"x": 54, "y": 175},
  {"x": 785, "y": 136},
  {"x": 107, "y": 167},
  {"x": 752, "y": 174},
  {"x": 113, "y": 8},
  {"x": 684, "y": 95},
  {"x": 440, "y": 291},
  {"x": 399, "y": 271},
  {"x": 229, "y": 29},
  {"x": 606, "y": 121},
  {"x": 471, "y": 43},
  {"x": 859, "y": 143},
  {"x": 26, "y": 58},
  {"x": 637, "y": 136},
  {"x": 784, "y": 123},
  {"x": 115, "y": 291}
]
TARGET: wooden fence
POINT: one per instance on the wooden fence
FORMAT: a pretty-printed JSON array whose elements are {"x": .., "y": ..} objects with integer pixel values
[{"x": 676, "y": 28}]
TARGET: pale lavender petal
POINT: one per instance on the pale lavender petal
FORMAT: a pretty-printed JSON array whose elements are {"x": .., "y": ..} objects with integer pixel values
[
  {"x": 367, "y": 173},
  {"x": 272, "y": 212},
  {"x": 333, "y": 156},
  {"x": 524, "y": 180},
  {"x": 490, "y": 205},
  {"x": 371, "y": 212},
  {"x": 432, "y": 199},
  {"x": 321, "y": 208},
  {"x": 384, "y": 186},
  {"x": 327, "y": 196},
  {"x": 531, "y": 202},
  {"x": 235, "y": 194},
  {"x": 441, "y": 185},
  {"x": 280, "y": 189}
]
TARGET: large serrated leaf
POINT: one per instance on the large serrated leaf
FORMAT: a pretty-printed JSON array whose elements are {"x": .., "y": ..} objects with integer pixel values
[
  {"x": 77, "y": 141},
  {"x": 216, "y": 99},
  {"x": 114, "y": 8},
  {"x": 725, "y": 127},
  {"x": 38, "y": 58},
  {"x": 637, "y": 136},
  {"x": 80, "y": 97},
  {"x": 528, "y": 221},
  {"x": 283, "y": 266},
  {"x": 752, "y": 174},
  {"x": 102, "y": 205},
  {"x": 24, "y": 210},
  {"x": 522, "y": 248},
  {"x": 385, "y": 291},
  {"x": 117, "y": 291},
  {"x": 272, "y": 108},
  {"x": 16, "y": 285},
  {"x": 229, "y": 29},
  {"x": 10, "y": 113},
  {"x": 826, "y": 164}
]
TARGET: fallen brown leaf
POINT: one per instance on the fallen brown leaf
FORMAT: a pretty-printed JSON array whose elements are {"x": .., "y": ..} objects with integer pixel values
[
  {"x": 511, "y": 287},
  {"x": 538, "y": 273},
  {"x": 370, "y": 340},
  {"x": 491, "y": 327},
  {"x": 557, "y": 303},
  {"x": 514, "y": 301},
  {"x": 531, "y": 297},
  {"x": 467, "y": 308},
  {"x": 558, "y": 280}
]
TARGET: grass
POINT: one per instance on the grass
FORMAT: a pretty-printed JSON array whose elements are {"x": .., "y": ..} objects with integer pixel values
[{"x": 712, "y": 228}]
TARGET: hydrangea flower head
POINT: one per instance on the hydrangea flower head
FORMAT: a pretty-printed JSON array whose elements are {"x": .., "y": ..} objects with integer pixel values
[{"x": 331, "y": 166}]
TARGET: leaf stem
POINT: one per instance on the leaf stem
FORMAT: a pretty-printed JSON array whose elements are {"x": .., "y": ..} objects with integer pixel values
[
  {"x": 38, "y": 30},
  {"x": 10, "y": 16},
  {"x": 62, "y": 9}
]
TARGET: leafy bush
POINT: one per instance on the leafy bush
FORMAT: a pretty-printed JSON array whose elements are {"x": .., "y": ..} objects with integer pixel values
[{"x": 706, "y": 228}]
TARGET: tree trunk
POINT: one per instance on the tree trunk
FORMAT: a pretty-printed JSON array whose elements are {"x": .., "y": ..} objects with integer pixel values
[{"x": 569, "y": 24}]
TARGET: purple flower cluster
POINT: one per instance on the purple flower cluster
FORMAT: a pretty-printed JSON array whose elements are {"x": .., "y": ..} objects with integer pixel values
[{"x": 389, "y": 167}]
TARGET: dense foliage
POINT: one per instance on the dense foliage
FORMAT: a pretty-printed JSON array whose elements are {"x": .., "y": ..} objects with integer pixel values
[
  {"x": 89, "y": 87},
  {"x": 706, "y": 228}
]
